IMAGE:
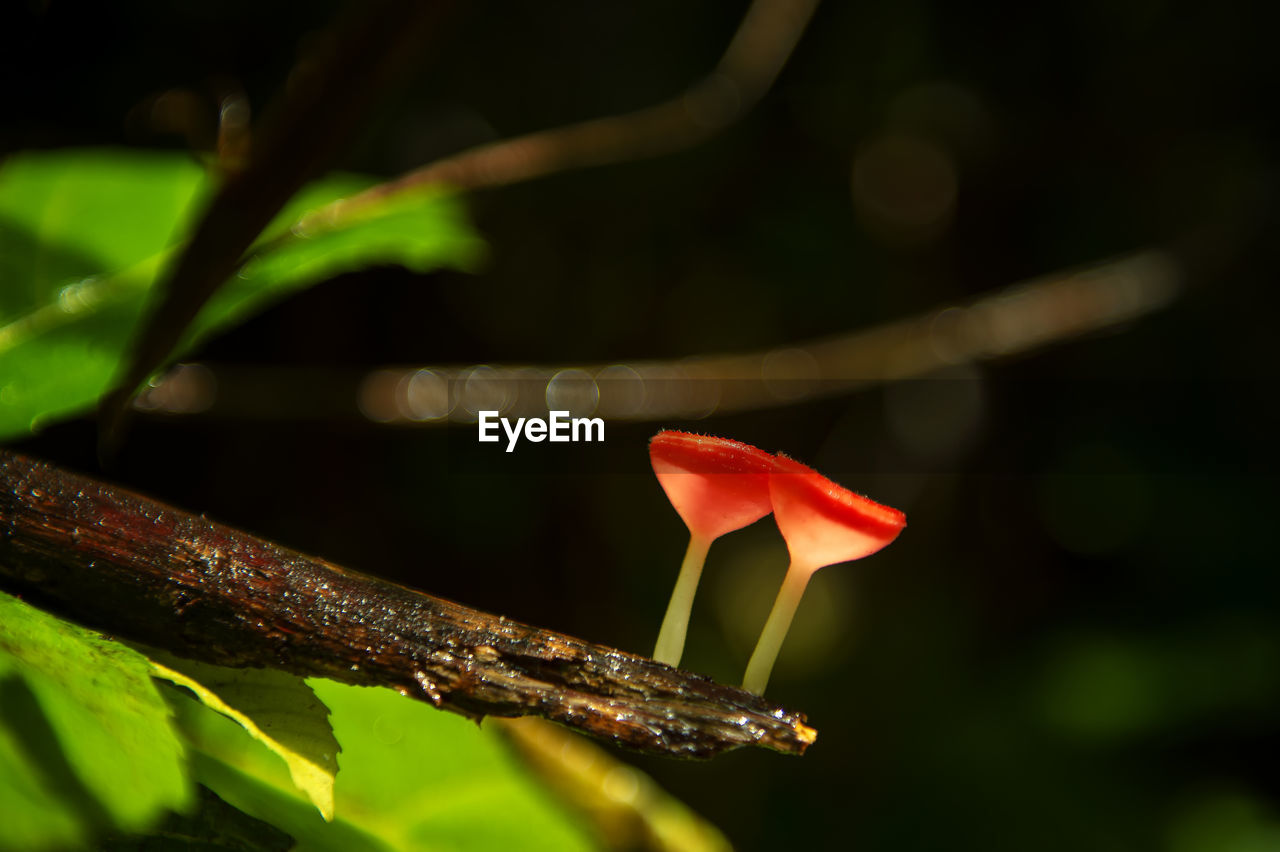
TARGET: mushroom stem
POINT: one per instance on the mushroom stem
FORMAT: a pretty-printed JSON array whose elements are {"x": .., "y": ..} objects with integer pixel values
[
  {"x": 775, "y": 629},
  {"x": 675, "y": 624}
]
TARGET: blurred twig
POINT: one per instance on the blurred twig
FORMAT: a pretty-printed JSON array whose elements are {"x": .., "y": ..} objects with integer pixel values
[
  {"x": 1005, "y": 322},
  {"x": 764, "y": 41}
]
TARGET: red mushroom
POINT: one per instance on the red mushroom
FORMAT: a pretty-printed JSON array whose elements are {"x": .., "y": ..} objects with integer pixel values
[
  {"x": 823, "y": 524},
  {"x": 717, "y": 486}
]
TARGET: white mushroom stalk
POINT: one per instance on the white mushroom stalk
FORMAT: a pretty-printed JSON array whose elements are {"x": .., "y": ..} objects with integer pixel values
[
  {"x": 717, "y": 486},
  {"x": 823, "y": 524}
]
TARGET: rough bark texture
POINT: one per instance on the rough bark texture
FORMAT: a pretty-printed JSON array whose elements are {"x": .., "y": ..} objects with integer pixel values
[{"x": 150, "y": 573}]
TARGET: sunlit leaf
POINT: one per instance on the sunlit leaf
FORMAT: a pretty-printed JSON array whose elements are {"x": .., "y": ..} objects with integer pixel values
[
  {"x": 35, "y": 816},
  {"x": 86, "y": 739},
  {"x": 412, "y": 778},
  {"x": 85, "y": 236},
  {"x": 66, "y": 215},
  {"x": 275, "y": 708},
  {"x": 277, "y": 803},
  {"x": 626, "y": 806},
  {"x": 425, "y": 779}
]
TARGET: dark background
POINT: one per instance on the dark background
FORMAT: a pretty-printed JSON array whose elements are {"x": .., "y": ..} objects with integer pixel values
[{"x": 1073, "y": 645}]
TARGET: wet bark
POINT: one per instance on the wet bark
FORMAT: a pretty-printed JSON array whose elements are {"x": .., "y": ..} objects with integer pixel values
[{"x": 146, "y": 572}]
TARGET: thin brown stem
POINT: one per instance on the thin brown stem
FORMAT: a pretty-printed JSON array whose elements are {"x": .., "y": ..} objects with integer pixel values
[
  {"x": 764, "y": 41},
  {"x": 150, "y": 573},
  {"x": 999, "y": 324}
]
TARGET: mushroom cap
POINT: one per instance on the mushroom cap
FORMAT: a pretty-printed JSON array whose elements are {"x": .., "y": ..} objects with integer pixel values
[
  {"x": 715, "y": 484},
  {"x": 825, "y": 523}
]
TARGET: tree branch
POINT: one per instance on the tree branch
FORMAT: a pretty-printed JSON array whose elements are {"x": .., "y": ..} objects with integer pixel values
[
  {"x": 150, "y": 573},
  {"x": 999, "y": 324},
  {"x": 763, "y": 43}
]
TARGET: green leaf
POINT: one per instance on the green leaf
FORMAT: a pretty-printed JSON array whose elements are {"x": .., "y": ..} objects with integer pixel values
[
  {"x": 67, "y": 215},
  {"x": 35, "y": 816},
  {"x": 412, "y": 778},
  {"x": 86, "y": 235},
  {"x": 214, "y": 826},
  {"x": 279, "y": 806},
  {"x": 275, "y": 708},
  {"x": 421, "y": 231},
  {"x": 86, "y": 742},
  {"x": 426, "y": 779}
]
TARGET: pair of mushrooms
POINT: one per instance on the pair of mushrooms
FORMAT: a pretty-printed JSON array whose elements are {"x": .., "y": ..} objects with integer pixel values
[{"x": 717, "y": 486}]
